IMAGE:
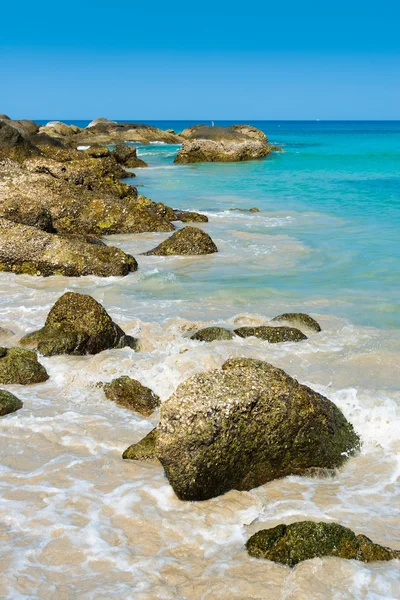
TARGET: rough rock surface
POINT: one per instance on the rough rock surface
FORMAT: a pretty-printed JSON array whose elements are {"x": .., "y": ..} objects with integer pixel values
[
  {"x": 190, "y": 217},
  {"x": 131, "y": 394},
  {"x": 300, "y": 320},
  {"x": 143, "y": 450},
  {"x": 18, "y": 365},
  {"x": 127, "y": 156},
  {"x": 244, "y": 425},
  {"x": 291, "y": 544},
  {"x": 13, "y": 144},
  {"x": 273, "y": 335},
  {"x": 77, "y": 324},
  {"x": 188, "y": 241},
  {"x": 222, "y": 144},
  {"x": 210, "y": 334},
  {"x": 30, "y": 250},
  {"x": 9, "y": 403}
]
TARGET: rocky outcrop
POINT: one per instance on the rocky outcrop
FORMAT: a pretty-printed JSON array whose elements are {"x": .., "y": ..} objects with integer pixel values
[
  {"x": 8, "y": 403},
  {"x": 18, "y": 365},
  {"x": 210, "y": 334},
  {"x": 222, "y": 144},
  {"x": 143, "y": 450},
  {"x": 77, "y": 324},
  {"x": 188, "y": 241},
  {"x": 244, "y": 425},
  {"x": 127, "y": 156},
  {"x": 273, "y": 335},
  {"x": 13, "y": 144},
  {"x": 301, "y": 320},
  {"x": 131, "y": 394},
  {"x": 29, "y": 250},
  {"x": 291, "y": 544}
]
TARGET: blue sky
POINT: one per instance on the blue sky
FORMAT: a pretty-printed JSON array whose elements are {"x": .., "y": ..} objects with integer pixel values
[{"x": 211, "y": 60}]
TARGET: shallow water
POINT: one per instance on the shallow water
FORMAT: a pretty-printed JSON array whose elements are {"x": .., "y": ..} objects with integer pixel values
[{"x": 80, "y": 523}]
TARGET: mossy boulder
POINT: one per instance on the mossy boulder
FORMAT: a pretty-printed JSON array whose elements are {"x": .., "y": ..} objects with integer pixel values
[
  {"x": 32, "y": 251},
  {"x": 131, "y": 394},
  {"x": 143, "y": 450},
  {"x": 190, "y": 217},
  {"x": 273, "y": 335},
  {"x": 13, "y": 143},
  {"x": 210, "y": 334},
  {"x": 300, "y": 320},
  {"x": 9, "y": 403},
  {"x": 188, "y": 241},
  {"x": 244, "y": 425},
  {"x": 127, "y": 156},
  {"x": 77, "y": 324},
  {"x": 291, "y": 544},
  {"x": 18, "y": 365}
]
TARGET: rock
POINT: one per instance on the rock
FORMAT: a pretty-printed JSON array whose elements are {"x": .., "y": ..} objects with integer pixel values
[
  {"x": 222, "y": 144},
  {"x": 273, "y": 335},
  {"x": 254, "y": 209},
  {"x": 300, "y": 320},
  {"x": 77, "y": 324},
  {"x": 35, "y": 216},
  {"x": 101, "y": 121},
  {"x": 188, "y": 241},
  {"x": 245, "y": 425},
  {"x": 210, "y": 334},
  {"x": 143, "y": 450},
  {"x": 131, "y": 394},
  {"x": 9, "y": 403},
  {"x": 291, "y": 544},
  {"x": 127, "y": 156},
  {"x": 97, "y": 152},
  {"x": 13, "y": 144},
  {"x": 18, "y": 365},
  {"x": 190, "y": 217},
  {"x": 4, "y": 117},
  {"x": 29, "y": 250}
]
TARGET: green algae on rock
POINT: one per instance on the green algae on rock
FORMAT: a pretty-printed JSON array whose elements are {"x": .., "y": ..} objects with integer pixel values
[
  {"x": 189, "y": 241},
  {"x": 291, "y": 544},
  {"x": 32, "y": 251},
  {"x": 131, "y": 394},
  {"x": 190, "y": 217},
  {"x": 9, "y": 403},
  {"x": 143, "y": 450},
  {"x": 210, "y": 334},
  {"x": 18, "y": 365},
  {"x": 244, "y": 425},
  {"x": 273, "y": 335},
  {"x": 300, "y": 320},
  {"x": 77, "y": 324}
]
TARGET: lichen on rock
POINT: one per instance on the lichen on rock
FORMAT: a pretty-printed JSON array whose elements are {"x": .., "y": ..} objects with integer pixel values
[
  {"x": 143, "y": 450},
  {"x": 131, "y": 394},
  {"x": 8, "y": 403},
  {"x": 273, "y": 335},
  {"x": 18, "y": 365},
  {"x": 189, "y": 241},
  {"x": 210, "y": 334}
]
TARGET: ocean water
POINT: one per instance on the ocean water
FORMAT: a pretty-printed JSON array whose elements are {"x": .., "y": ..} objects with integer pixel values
[{"x": 78, "y": 522}]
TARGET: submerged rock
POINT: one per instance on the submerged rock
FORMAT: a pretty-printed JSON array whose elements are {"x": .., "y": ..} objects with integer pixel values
[
  {"x": 29, "y": 250},
  {"x": 273, "y": 335},
  {"x": 244, "y": 425},
  {"x": 18, "y": 365},
  {"x": 291, "y": 544},
  {"x": 127, "y": 156},
  {"x": 190, "y": 217},
  {"x": 143, "y": 450},
  {"x": 8, "y": 403},
  {"x": 188, "y": 241},
  {"x": 252, "y": 210},
  {"x": 131, "y": 394},
  {"x": 210, "y": 334},
  {"x": 77, "y": 324},
  {"x": 300, "y": 320}
]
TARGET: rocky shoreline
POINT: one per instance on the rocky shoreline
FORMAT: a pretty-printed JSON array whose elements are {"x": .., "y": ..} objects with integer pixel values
[{"x": 233, "y": 428}]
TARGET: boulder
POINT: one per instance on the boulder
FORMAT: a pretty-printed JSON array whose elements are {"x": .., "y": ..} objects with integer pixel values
[
  {"x": 188, "y": 241},
  {"x": 252, "y": 210},
  {"x": 131, "y": 394},
  {"x": 18, "y": 365},
  {"x": 291, "y": 544},
  {"x": 273, "y": 335},
  {"x": 13, "y": 144},
  {"x": 77, "y": 324},
  {"x": 143, "y": 450},
  {"x": 210, "y": 334},
  {"x": 8, "y": 403},
  {"x": 300, "y": 320},
  {"x": 29, "y": 250},
  {"x": 190, "y": 217},
  {"x": 244, "y": 425},
  {"x": 127, "y": 156}
]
